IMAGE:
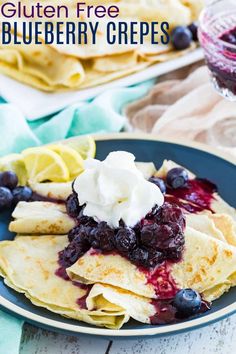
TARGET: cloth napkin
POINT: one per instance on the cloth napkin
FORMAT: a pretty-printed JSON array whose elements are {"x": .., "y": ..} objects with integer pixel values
[
  {"x": 100, "y": 115},
  {"x": 10, "y": 334},
  {"x": 103, "y": 114},
  {"x": 187, "y": 108}
]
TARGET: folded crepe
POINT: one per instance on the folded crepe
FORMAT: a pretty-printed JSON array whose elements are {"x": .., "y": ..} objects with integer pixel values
[
  {"x": 106, "y": 290},
  {"x": 53, "y": 190},
  {"x": 29, "y": 265},
  {"x": 208, "y": 266},
  {"x": 41, "y": 218}
]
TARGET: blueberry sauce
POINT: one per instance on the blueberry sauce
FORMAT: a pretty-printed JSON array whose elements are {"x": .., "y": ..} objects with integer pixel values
[
  {"x": 165, "y": 312},
  {"x": 153, "y": 245},
  {"x": 161, "y": 280},
  {"x": 229, "y": 36},
  {"x": 61, "y": 273},
  {"x": 223, "y": 73},
  {"x": 198, "y": 193},
  {"x": 82, "y": 302}
]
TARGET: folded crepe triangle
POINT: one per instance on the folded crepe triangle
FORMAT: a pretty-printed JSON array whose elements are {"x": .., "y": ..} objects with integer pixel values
[
  {"x": 208, "y": 266},
  {"x": 28, "y": 265}
]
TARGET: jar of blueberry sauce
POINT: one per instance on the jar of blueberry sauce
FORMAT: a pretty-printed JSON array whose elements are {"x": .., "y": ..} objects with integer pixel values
[{"x": 217, "y": 36}]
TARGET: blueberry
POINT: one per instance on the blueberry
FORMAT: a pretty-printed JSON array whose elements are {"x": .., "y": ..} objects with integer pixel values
[
  {"x": 80, "y": 234},
  {"x": 102, "y": 237},
  {"x": 181, "y": 38},
  {"x": 21, "y": 194},
  {"x": 8, "y": 179},
  {"x": 125, "y": 240},
  {"x": 159, "y": 183},
  {"x": 72, "y": 206},
  {"x": 86, "y": 220},
  {"x": 177, "y": 177},
  {"x": 139, "y": 256},
  {"x": 187, "y": 302},
  {"x": 5, "y": 198},
  {"x": 70, "y": 254},
  {"x": 172, "y": 213},
  {"x": 154, "y": 258},
  {"x": 193, "y": 27}
]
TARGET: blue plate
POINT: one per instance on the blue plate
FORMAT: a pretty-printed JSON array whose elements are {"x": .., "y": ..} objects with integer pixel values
[{"x": 199, "y": 159}]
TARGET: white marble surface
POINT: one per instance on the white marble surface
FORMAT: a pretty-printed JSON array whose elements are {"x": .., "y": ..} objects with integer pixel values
[{"x": 218, "y": 338}]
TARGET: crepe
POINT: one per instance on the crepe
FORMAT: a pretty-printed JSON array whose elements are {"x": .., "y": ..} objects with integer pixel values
[
  {"x": 54, "y": 190},
  {"x": 41, "y": 66},
  {"x": 28, "y": 265},
  {"x": 64, "y": 67},
  {"x": 41, "y": 218},
  {"x": 208, "y": 266},
  {"x": 119, "y": 290}
]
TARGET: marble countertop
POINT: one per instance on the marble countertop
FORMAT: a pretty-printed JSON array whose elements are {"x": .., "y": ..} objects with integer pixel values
[{"x": 216, "y": 338}]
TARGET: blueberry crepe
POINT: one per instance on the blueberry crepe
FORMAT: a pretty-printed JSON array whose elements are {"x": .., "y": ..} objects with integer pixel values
[{"x": 155, "y": 246}]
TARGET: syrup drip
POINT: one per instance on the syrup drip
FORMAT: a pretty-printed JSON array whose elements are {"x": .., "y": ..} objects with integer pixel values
[{"x": 196, "y": 196}]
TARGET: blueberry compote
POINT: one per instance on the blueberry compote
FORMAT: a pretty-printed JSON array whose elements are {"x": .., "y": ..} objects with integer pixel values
[
  {"x": 221, "y": 61},
  {"x": 153, "y": 244}
]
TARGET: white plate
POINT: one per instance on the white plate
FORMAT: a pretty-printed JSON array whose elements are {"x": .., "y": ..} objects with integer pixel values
[{"x": 35, "y": 104}]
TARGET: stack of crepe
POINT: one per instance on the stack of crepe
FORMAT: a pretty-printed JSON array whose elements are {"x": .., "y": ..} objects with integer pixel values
[
  {"x": 113, "y": 289},
  {"x": 68, "y": 67}
]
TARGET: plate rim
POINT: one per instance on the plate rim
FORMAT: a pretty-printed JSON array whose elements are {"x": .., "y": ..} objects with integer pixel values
[{"x": 155, "y": 330}]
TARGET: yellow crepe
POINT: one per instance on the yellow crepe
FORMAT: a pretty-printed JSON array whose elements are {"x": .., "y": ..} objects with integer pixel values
[
  {"x": 28, "y": 265},
  {"x": 41, "y": 66},
  {"x": 54, "y": 190},
  {"x": 41, "y": 218},
  {"x": 208, "y": 264}
]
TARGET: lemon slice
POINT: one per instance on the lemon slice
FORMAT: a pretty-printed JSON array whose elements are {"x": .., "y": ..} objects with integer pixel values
[
  {"x": 84, "y": 145},
  {"x": 71, "y": 157},
  {"x": 43, "y": 164},
  {"x": 14, "y": 163}
]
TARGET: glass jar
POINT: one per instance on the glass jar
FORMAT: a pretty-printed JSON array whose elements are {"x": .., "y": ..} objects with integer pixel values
[{"x": 217, "y": 36}]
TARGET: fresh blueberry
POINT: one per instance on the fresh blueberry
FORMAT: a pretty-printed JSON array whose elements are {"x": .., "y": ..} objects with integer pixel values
[
  {"x": 177, "y": 177},
  {"x": 8, "y": 179},
  {"x": 125, "y": 240},
  {"x": 159, "y": 183},
  {"x": 193, "y": 27},
  {"x": 181, "y": 38},
  {"x": 5, "y": 198},
  {"x": 187, "y": 302},
  {"x": 21, "y": 194},
  {"x": 72, "y": 206}
]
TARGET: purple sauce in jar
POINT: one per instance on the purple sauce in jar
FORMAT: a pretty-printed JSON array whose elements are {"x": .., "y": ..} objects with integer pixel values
[{"x": 217, "y": 36}]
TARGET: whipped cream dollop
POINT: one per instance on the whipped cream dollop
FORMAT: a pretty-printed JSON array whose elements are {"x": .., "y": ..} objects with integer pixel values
[{"x": 114, "y": 190}]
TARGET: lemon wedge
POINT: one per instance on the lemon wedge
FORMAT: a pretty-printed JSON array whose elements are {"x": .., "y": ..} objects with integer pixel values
[
  {"x": 84, "y": 145},
  {"x": 14, "y": 163},
  {"x": 43, "y": 164},
  {"x": 71, "y": 157}
]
